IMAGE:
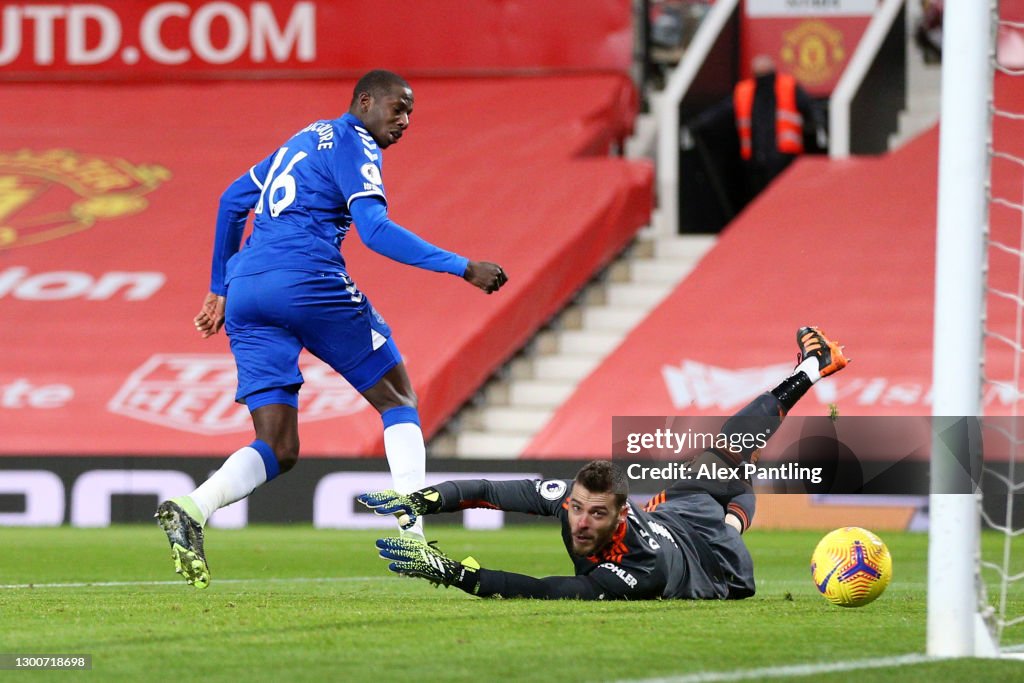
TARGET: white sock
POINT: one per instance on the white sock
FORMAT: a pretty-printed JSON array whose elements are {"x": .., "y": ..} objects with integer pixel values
[
  {"x": 239, "y": 476},
  {"x": 810, "y": 368},
  {"x": 407, "y": 458}
]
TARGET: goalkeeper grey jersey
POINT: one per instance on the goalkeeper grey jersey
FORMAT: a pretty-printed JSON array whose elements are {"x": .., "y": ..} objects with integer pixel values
[{"x": 658, "y": 554}]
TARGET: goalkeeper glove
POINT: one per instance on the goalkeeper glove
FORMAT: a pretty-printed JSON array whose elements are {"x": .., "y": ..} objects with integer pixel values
[
  {"x": 415, "y": 558},
  {"x": 406, "y": 507}
]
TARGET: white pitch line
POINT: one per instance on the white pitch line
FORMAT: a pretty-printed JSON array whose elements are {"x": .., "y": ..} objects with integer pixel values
[
  {"x": 791, "y": 670},
  {"x": 114, "y": 584}
]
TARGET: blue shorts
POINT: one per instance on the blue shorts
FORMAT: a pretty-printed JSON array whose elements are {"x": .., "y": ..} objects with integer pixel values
[{"x": 272, "y": 316}]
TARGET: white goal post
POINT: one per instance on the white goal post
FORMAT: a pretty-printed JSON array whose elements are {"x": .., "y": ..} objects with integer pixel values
[{"x": 955, "y": 626}]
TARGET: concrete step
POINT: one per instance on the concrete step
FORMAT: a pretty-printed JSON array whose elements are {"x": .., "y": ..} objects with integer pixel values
[
  {"x": 594, "y": 295},
  {"x": 509, "y": 419},
  {"x": 642, "y": 248},
  {"x": 619, "y": 271},
  {"x": 690, "y": 248},
  {"x": 645, "y": 295},
  {"x": 490, "y": 445},
  {"x": 924, "y": 101},
  {"x": 619, "y": 319},
  {"x": 519, "y": 368},
  {"x": 496, "y": 393},
  {"x": 645, "y": 133},
  {"x": 583, "y": 343},
  {"x": 921, "y": 76},
  {"x": 546, "y": 342},
  {"x": 924, "y": 98},
  {"x": 910, "y": 126},
  {"x": 918, "y": 121},
  {"x": 564, "y": 367},
  {"x": 668, "y": 272},
  {"x": 539, "y": 393},
  {"x": 444, "y": 445}
]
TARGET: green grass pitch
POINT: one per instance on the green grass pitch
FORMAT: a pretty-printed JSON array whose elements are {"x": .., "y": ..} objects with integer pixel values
[{"x": 294, "y": 603}]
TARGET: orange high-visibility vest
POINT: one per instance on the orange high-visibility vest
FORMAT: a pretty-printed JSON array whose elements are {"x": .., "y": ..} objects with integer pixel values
[{"x": 789, "y": 124}]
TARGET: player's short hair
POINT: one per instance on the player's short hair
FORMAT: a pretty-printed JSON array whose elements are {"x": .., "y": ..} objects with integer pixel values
[
  {"x": 604, "y": 476},
  {"x": 377, "y": 83}
]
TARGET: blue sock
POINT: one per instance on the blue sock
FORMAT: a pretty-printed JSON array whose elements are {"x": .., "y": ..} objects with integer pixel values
[
  {"x": 400, "y": 414},
  {"x": 269, "y": 459}
]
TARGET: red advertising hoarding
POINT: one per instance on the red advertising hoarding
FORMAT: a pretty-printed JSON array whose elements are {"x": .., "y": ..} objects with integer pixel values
[{"x": 276, "y": 38}]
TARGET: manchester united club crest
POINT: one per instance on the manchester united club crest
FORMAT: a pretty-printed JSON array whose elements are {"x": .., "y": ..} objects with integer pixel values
[
  {"x": 48, "y": 194},
  {"x": 813, "y": 52},
  {"x": 195, "y": 392}
]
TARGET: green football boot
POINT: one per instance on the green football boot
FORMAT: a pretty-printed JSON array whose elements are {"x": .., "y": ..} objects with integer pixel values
[{"x": 186, "y": 538}]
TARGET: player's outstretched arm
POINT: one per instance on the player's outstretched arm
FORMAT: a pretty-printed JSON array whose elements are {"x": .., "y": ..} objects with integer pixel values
[
  {"x": 406, "y": 507},
  {"x": 211, "y": 316},
  {"x": 521, "y": 495},
  {"x": 485, "y": 275},
  {"x": 390, "y": 239},
  {"x": 415, "y": 558},
  {"x": 424, "y": 560}
]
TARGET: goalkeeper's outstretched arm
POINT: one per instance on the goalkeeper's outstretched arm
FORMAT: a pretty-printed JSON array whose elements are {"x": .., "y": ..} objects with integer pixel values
[
  {"x": 415, "y": 558},
  {"x": 501, "y": 584},
  {"x": 451, "y": 496}
]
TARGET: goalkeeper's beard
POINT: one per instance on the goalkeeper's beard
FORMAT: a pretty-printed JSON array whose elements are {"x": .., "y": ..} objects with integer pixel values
[{"x": 591, "y": 543}]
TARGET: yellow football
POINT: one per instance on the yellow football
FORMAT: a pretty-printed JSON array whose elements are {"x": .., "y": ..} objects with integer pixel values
[{"x": 851, "y": 566}]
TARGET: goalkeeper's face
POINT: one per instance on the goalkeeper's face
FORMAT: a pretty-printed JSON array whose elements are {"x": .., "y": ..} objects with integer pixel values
[{"x": 593, "y": 518}]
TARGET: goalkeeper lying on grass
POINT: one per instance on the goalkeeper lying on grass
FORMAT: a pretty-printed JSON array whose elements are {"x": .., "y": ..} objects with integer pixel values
[{"x": 685, "y": 543}]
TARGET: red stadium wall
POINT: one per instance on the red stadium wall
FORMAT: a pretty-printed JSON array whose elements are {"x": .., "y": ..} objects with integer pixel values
[{"x": 313, "y": 38}]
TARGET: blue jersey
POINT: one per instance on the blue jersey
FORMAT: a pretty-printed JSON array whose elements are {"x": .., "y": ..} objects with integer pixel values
[{"x": 305, "y": 196}]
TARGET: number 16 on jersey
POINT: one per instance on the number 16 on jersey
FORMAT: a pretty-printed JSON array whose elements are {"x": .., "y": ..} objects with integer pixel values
[{"x": 282, "y": 182}]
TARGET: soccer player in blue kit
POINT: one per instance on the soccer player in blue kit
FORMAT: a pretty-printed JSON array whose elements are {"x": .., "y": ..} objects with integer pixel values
[{"x": 289, "y": 289}]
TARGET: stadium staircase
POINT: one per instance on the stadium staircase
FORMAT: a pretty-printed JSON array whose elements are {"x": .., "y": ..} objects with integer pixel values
[
  {"x": 520, "y": 399},
  {"x": 924, "y": 82},
  {"x": 501, "y": 419}
]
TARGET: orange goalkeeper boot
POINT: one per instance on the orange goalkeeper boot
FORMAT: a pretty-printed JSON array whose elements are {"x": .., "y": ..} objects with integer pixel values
[{"x": 814, "y": 343}]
